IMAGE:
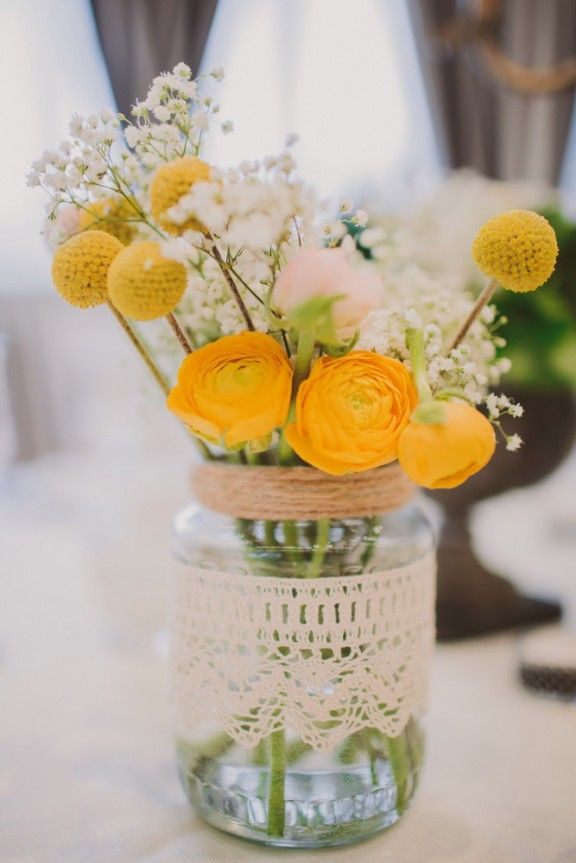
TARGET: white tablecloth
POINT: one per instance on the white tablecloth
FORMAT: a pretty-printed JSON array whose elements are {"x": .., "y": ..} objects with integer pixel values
[{"x": 86, "y": 766}]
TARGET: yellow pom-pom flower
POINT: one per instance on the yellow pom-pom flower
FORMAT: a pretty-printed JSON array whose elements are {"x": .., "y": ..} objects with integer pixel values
[
  {"x": 234, "y": 390},
  {"x": 80, "y": 267},
  {"x": 518, "y": 249},
  {"x": 170, "y": 182},
  {"x": 110, "y": 214},
  {"x": 143, "y": 284}
]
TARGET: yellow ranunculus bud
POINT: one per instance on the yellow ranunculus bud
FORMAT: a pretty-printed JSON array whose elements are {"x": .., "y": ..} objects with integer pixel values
[
  {"x": 234, "y": 390},
  {"x": 80, "y": 267},
  {"x": 170, "y": 182},
  {"x": 518, "y": 249},
  {"x": 143, "y": 284},
  {"x": 110, "y": 214},
  {"x": 351, "y": 411},
  {"x": 444, "y": 455}
]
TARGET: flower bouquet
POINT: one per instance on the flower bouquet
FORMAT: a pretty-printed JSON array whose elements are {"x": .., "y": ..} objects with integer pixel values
[{"x": 319, "y": 389}]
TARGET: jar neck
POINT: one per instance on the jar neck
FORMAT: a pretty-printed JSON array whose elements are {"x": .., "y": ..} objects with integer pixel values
[{"x": 299, "y": 493}]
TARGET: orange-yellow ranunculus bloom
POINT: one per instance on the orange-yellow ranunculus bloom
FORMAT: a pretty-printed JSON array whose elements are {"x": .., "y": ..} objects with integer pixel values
[
  {"x": 351, "y": 411},
  {"x": 444, "y": 455},
  {"x": 234, "y": 390}
]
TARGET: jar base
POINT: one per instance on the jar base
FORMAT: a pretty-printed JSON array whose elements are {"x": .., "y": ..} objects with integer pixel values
[{"x": 323, "y": 808}]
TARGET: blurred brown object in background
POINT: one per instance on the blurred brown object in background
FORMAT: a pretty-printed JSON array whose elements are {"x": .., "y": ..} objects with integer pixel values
[{"x": 472, "y": 600}]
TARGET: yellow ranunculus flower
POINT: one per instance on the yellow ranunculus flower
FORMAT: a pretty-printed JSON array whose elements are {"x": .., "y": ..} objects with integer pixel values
[
  {"x": 351, "y": 411},
  {"x": 236, "y": 389},
  {"x": 444, "y": 455}
]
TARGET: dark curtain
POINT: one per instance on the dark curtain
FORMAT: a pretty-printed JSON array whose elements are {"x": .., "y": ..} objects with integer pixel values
[
  {"x": 481, "y": 122},
  {"x": 141, "y": 38}
]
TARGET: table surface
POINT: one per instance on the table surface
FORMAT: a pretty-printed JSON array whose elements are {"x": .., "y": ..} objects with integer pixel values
[{"x": 86, "y": 765}]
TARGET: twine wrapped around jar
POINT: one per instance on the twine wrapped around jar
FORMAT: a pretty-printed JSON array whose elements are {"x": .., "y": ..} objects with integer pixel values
[{"x": 299, "y": 493}]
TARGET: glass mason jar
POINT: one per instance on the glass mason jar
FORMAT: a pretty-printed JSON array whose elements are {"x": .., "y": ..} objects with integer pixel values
[{"x": 299, "y": 668}]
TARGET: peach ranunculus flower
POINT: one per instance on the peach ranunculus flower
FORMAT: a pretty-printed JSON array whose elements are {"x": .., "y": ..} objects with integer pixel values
[
  {"x": 444, "y": 455},
  {"x": 234, "y": 390},
  {"x": 325, "y": 272},
  {"x": 351, "y": 412}
]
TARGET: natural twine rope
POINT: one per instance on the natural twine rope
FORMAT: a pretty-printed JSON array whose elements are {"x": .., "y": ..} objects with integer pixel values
[{"x": 298, "y": 493}]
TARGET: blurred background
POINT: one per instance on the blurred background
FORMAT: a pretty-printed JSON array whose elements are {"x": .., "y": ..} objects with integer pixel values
[{"x": 435, "y": 114}]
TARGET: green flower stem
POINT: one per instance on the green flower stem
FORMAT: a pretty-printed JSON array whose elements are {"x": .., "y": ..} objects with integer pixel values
[
  {"x": 453, "y": 393},
  {"x": 280, "y": 755},
  {"x": 291, "y": 541},
  {"x": 304, "y": 353},
  {"x": 276, "y": 798},
  {"x": 306, "y": 343},
  {"x": 269, "y": 532},
  {"x": 319, "y": 552},
  {"x": 177, "y": 330},
  {"x": 145, "y": 356},
  {"x": 415, "y": 342},
  {"x": 373, "y": 524},
  {"x": 399, "y": 764},
  {"x": 482, "y": 300}
]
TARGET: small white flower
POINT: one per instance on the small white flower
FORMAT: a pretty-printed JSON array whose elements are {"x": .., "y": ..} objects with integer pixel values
[
  {"x": 227, "y": 127},
  {"x": 32, "y": 178},
  {"x": 218, "y": 73},
  {"x": 516, "y": 410},
  {"x": 492, "y": 405},
  {"x": 513, "y": 443},
  {"x": 199, "y": 121},
  {"x": 182, "y": 70},
  {"x": 360, "y": 218},
  {"x": 162, "y": 113},
  {"x": 76, "y": 125},
  {"x": 286, "y": 163},
  {"x": 133, "y": 135},
  {"x": 176, "y": 249}
]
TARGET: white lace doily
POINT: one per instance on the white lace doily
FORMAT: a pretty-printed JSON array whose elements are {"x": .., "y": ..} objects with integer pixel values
[{"x": 324, "y": 657}]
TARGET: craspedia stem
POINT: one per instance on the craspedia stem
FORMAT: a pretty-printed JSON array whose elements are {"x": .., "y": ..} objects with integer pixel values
[
  {"x": 149, "y": 362},
  {"x": 176, "y": 329},
  {"x": 232, "y": 285},
  {"x": 482, "y": 301}
]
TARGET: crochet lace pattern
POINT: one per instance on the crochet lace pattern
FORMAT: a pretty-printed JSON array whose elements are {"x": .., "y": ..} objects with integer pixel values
[{"x": 324, "y": 657}]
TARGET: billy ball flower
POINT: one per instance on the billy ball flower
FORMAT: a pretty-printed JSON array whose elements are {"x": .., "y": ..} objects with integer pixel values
[
  {"x": 518, "y": 249},
  {"x": 234, "y": 390},
  {"x": 170, "y": 182},
  {"x": 445, "y": 453},
  {"x": 110, "y": 214},
  {"x": 326, "y": 272},
  {"x": 143, "y": 284},
  {"x": 80, "y": 267},
  {"x": 351, "y": 411}
]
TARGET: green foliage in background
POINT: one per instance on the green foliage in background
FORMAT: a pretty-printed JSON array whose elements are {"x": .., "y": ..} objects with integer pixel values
[{"x": 541, "y": 328}]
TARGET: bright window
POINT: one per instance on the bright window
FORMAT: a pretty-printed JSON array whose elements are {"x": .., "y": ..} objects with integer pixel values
[
  {"x": 50, "y": 66},
  {"x": 343, "y": 75}
]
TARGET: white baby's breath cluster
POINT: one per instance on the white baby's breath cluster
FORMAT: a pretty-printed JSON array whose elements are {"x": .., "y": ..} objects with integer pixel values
[
  {"x": 414, "y": 297},
  {"x": 109, "y": 154}
]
